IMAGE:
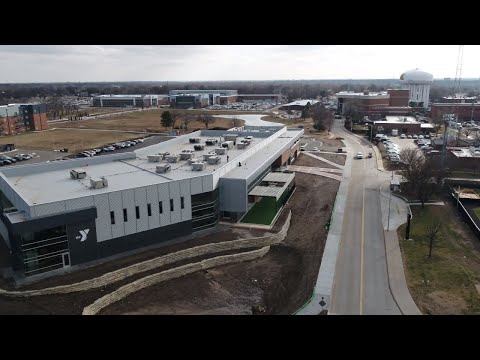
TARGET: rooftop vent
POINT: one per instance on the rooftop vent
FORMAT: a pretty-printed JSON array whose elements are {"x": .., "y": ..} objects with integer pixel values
[
  {"x": 199, "y": 147},
  {"x": 199, "y": 166},
  {"x": 77, "y": 173},
  {"x": 172, "y": 158},
  {"x": 212, "y": 160},
  {"x": 98, "y": 183},
  {"x": 193, "y": 160},
  {"x": 161, "y": 169},
  {"x": 194, "y": 140},
  {"x": 210, "y": 142},
  {"x": 154, "y": 158},
  {"x": 220, "y": 151},
  {"x": 186, "y": 155}
]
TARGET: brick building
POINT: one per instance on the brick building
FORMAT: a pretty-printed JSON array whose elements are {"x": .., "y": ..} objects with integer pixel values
[
  {"x": 465, "y": 111},
  {"x": 18, "y": 118},
  {"x": 376, "y": 104}
]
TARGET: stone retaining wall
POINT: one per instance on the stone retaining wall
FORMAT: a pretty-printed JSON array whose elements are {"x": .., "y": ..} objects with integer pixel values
[
  {"x": 121, "y": 274},
  {"x": 170, "y": 274}
]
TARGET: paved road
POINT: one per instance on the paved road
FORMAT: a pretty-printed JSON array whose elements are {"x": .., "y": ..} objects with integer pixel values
[{"x": 361, "y": 278}]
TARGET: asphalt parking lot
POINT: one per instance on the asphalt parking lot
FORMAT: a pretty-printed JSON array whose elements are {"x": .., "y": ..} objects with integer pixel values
[{"x": 311, "y": 143}]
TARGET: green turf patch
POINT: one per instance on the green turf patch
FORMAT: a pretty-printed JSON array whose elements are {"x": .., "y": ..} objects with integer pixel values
[
  {"x": 262, "y": 212},
  {"x": 477, "y": 212}
]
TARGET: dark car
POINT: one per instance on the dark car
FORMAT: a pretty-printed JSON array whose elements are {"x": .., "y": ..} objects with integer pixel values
[{"x": 7, "y": 158}]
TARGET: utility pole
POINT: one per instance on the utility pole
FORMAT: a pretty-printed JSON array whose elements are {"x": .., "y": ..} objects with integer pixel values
[
  {"x": 389, "y": 201},
  {"x": 445, "y": 136},
  {"x": 458, "y": 195}
]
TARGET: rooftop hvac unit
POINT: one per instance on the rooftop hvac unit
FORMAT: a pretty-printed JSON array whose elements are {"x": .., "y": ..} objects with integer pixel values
[
  {"x": 211, "y": 142},
  {"x": 173, "y": 158},
  {"x": 228, "y": 144},
  {"x": 161, "y": 169},
  {"x": 77, "y": 173},
  {"x": 230, "y": 137},
  {"x": 199, "y": 166},
  {"x": 194, "y": 140},
  {"x": 186, "y": 155},
  {"x": 154, "y": 158},
  {"x": 220, "y": 151},
  {"x": 98, "y": 183},
  {"x": 206, "y": 156},
  {"x": 193, "y": 160},
  {"x": 198, "y": 147},
  {"x": 246, "y": 142},
  {"x": 241, "y": 145},
  {"x": 212, "y": 160}
]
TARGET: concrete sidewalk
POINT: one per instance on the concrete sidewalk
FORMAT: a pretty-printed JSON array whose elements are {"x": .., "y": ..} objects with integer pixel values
[
  {"x": 324, "y": 160},
  {"x": 324, "y": 285},
  {"x": 394, "y": 214}
]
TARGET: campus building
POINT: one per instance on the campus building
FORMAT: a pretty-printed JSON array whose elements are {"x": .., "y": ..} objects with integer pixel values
[
  {"x": 203, "y": 98},
  {"x": 55, "y": 216},
  {"x": 403, "y": 124},
  {"x": 18, "y": 118},
  {"x": 464, "y": 111},
  {"x": 375, "y": 104},
  {"x": 128, "y": 101}
]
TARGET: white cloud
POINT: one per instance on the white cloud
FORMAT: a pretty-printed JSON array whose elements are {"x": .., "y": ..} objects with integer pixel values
[{"x": 56, "y": 63}]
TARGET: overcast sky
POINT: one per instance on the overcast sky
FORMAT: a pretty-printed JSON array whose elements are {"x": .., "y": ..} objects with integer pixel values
[{"x": 61, "y": 63}]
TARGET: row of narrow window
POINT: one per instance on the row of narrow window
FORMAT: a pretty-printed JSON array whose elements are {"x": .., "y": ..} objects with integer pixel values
[{"x": 149, "y": 210}]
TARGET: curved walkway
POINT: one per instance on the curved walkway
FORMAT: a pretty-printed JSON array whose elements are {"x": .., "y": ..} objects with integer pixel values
[{"x": 324, "y": 160}]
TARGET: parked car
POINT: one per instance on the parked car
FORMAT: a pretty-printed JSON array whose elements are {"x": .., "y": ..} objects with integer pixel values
[
  {"x": 409, "y": 136},
  {"x": 403, "y": 136},
  {"x": 415, "y": 136},
  {"x": 26, "y": 156},
  {"x": 98, "y": 151},
  {"x": 315, "y": 149},
  {"x": 140, "y": 140},
  {"x": 420, "y": 136},
  {"x": 82, "y": 154},
  {"x": 108, "y": 148},
  {"x": 427, "y": 136},
  {"x": 5, "y": 162},
  {"x": 5, "y": 157},
  {"x": 18, "y": 157}
]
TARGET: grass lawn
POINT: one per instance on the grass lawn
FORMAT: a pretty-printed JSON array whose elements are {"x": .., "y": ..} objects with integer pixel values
[
  {"x": 477, "y": 212},
  {"x": 445, "y": 283},
  {"x": 261, "y": 213},
  {"x": 141, "y": 121},
  {"x": 74, "y": 140},
  {"x": 103, "y": 110}
]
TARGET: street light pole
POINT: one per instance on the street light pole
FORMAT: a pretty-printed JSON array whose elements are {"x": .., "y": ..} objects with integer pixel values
[{"x": 389, "y": 201}]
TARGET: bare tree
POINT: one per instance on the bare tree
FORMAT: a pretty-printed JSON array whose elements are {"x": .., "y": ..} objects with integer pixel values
[
  {"x": 467, "y": 132},
  {"x": 176, "y": 115},
  {"x": 433, "y": 234},
  {"x": 322, "y": 118},
  {"x": 236, "y": 121},
  {"x": 186, "y": 119},
  {"x": 350, "y": 110},
  {"x": 438, "y": 122},
  {"x": 423, "y": 175},
  {"x": 205, "y": 118}
]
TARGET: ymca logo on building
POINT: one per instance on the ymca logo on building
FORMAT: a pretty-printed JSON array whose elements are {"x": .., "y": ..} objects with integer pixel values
[{"x": 83, "y": 235}]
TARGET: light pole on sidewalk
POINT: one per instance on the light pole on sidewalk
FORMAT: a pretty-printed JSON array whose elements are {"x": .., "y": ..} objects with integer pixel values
[{"x": 389, "y": 201}]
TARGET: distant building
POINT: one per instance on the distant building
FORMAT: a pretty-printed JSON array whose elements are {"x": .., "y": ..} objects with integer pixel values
[
  {"x": 404, "y": 125},
  {"x": 125, "y": 101},
  {"x": 18, "y": 118},
  {"x": 418, "y": 83},
  {"x": 465, "y": 111},
  {"x": 187, "y": 101},
  {"x": 375, "y": 104},
  {"x": 299, "y": 105},
  {"x": 217, "y": 97}
]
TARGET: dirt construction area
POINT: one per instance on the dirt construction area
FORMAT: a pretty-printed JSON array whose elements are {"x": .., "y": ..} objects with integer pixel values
[{"x": 278, "y": 283}]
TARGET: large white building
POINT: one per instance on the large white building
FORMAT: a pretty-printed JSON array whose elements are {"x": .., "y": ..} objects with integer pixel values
[
  {"x": 58, "y": 215},
  {"x": 418, "y": 82}
]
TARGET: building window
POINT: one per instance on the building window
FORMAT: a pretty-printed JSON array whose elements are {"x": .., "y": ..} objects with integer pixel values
[
  {"x": 112, "y": 217},
  {"x": 182, "y": 203},
  {"x": 171, "y": 204},
  {"x": 149, "y": 209},
  {"x": 160, "y": 207},
  {"x": 137, "y": 211},
  {"x": 125, "y": 217}
]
